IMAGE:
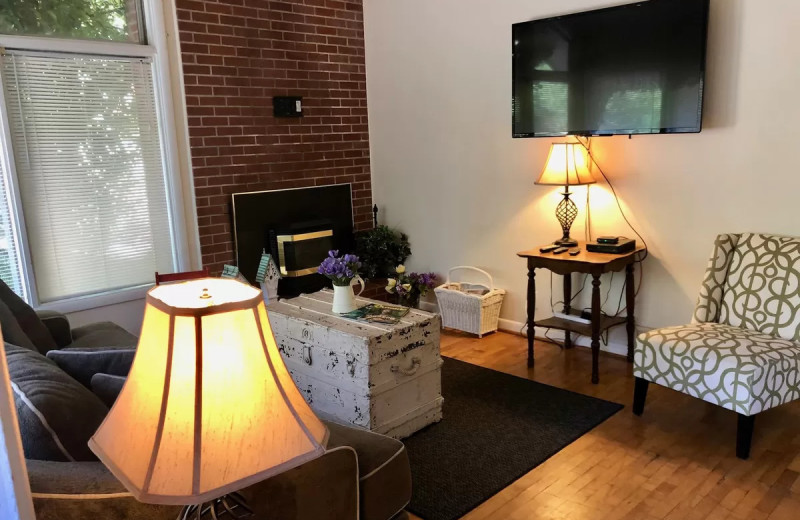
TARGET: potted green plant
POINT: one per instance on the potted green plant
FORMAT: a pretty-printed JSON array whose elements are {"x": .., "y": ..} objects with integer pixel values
[{"x": 380, "y": 250}]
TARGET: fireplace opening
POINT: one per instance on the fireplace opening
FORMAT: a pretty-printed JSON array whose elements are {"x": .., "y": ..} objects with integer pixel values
[
  {"x": 298, "y": 227},
  {"x": 299, "y": 254}
]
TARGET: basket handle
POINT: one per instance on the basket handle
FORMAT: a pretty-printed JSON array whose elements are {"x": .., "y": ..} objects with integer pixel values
[{"x": 470, "y": 268}]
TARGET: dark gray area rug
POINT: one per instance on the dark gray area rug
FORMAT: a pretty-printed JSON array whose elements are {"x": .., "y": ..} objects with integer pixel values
[{"x": 496, "y": 428}]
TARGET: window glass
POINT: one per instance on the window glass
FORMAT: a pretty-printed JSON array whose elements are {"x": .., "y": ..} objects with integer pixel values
[
  {"x": 115, "y": 20},
  {"x": 88, "y": 156},
  {"x": 10, "y": 269}
]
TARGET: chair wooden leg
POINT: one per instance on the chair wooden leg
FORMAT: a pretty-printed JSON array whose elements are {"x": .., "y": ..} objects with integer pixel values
[
  {"x": 744, "y": 435},
  {"x": 640, "y": 395}
]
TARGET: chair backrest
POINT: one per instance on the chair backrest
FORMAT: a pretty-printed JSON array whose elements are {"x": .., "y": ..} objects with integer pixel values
[
  {"x": 180, "y": 277},
  {"x": 753, "y": 282}
]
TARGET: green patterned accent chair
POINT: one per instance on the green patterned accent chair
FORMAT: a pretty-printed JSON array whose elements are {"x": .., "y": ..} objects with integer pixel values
[{"x": 742, "y": 349}]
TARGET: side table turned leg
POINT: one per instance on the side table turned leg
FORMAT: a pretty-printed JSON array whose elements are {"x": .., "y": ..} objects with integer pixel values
[
  {"x": 567, "y": 306},
  {"x": 531, "y": 311},
  {"x": 630, "y": 300},
  {"x": 595, "y": 328}
]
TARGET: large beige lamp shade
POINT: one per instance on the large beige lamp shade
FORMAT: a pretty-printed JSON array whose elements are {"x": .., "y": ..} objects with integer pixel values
[
  {"x": 568, "y": 164},
  {"x": 208, "y": 407}
]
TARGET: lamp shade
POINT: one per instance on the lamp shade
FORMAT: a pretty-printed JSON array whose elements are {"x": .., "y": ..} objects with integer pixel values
[
  {"x": 209, "y": 406},
  {"x": 567, "y": 165},
  {"x": 15, "y": 494}
]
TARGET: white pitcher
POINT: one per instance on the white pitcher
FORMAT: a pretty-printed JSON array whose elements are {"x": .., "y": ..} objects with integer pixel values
[{"x": 344, "y": 298}]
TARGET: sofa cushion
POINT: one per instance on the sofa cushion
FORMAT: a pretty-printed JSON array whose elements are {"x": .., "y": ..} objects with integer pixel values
[
  {"x": 27, "y": 319},
  {"x": 82, "y": 364},
  {"x": 107, "y": 387},
  {"x": 58, "y": 325},
  {"x": 12, "y": 332},
  {"x": 102, "y": 334},
  {"x": 383, "y": 468},
  {"x": 57, "y": 415},
  {"x": 743, "y": 370}
]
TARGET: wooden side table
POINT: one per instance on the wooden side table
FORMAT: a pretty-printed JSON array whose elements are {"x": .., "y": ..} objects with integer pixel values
[{"x": 594, "y": 264}]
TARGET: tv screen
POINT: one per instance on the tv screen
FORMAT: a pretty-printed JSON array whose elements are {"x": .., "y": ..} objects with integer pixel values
[{"x": 631, "y": 69}]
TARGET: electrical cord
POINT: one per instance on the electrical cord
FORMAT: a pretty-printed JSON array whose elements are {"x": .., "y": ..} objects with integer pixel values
[{"x": 588, "y": 146}]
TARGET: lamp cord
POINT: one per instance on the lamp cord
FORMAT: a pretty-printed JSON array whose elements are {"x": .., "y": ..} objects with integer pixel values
[{"x": 588, "y": 146}]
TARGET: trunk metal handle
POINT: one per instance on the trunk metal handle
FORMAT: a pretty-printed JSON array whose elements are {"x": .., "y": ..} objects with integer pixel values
[{"x": 410, "y": 371}]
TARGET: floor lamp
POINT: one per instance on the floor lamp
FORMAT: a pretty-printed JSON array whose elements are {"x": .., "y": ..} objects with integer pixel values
[
  {"x": 212, "y": 404},
  {"x": 15, "y": 492}
]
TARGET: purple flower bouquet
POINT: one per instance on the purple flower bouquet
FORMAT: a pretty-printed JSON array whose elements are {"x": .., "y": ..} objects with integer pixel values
[{"x": 340, "y": 269}]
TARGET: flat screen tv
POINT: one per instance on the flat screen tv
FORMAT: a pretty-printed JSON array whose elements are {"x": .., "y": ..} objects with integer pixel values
[{"x": 631, "y": 69}]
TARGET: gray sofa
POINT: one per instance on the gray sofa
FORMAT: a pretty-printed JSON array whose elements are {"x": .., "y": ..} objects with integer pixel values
[{"x": 362, "y": 475}]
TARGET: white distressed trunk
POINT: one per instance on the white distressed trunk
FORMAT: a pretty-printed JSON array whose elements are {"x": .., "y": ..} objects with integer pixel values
[{"x": 386, "y": 378}]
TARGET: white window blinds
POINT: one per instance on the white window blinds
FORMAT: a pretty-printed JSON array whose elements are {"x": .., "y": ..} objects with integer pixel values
[
  {"x": 88, "y": 158},
  {"x": 10, "y": 271}
]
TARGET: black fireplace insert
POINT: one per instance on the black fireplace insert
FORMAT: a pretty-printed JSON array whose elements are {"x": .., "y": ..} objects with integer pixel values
[{"x": 298, "y": 227}]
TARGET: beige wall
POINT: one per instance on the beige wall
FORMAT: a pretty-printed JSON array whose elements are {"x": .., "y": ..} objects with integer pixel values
[
  {"x": 128, "y": 315},
  {"x": 446, "y": 170}
]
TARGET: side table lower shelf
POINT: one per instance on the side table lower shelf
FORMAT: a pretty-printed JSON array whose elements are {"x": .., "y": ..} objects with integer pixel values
[{"x": 584, "y": 329}]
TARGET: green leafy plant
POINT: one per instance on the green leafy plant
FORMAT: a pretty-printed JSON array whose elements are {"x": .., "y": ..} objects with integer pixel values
[{"x": 380, "y": 250}]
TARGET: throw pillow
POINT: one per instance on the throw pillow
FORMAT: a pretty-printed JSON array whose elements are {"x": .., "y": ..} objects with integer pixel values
[
  {"x": 57, "y": 415},
  {"x": 107, "y": 387},
  {"x": 28, "y": 319},
  {"x": 82, "y": 364},
  {"x": 12, "y": 332}
]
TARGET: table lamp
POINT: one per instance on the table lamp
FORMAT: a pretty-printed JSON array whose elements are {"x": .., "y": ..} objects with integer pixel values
[
  {"x": 15, "y": 493},
  {"x": 567, "y": 165},
  {"x": 208, "y": 407}
]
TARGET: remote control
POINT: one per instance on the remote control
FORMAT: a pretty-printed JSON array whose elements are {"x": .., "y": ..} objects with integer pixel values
[
  {"x": 575, "y": 252},
  {"x": 560, "y": 250},
  {"x": 547, "y": 249}
]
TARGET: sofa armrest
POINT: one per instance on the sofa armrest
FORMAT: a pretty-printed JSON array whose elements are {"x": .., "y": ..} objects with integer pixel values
[
  {"x": 322, "y": 489},
  {"x": 81, "y": 490},
  {"x": 58, "y": 326}
]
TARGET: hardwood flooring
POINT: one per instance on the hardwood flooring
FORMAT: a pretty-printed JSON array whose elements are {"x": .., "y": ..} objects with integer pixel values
[{"x": 676, "y": 462}]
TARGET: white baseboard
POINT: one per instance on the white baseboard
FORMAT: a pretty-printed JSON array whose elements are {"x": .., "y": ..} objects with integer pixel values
[
  {"x": 428, "y": 307},
  {"x": 518, "y": 327}
]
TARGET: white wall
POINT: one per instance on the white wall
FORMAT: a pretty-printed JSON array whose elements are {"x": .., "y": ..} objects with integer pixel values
[
  {"x": 128, "y": 315},
  {"x": 446, "y": 170}
]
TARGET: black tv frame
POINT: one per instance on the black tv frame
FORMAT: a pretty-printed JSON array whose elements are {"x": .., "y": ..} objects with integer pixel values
[{"x": 588, "y": 133}]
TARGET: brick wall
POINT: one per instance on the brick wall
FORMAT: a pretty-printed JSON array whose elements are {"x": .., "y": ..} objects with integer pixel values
[{"x": 237, "y": 54}]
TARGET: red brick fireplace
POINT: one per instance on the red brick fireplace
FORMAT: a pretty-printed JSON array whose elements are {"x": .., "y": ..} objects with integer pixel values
[{"x": 237, "y": 55}]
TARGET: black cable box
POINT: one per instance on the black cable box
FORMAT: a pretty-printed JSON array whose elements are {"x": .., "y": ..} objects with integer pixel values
[{"x": 624, "y": 245}]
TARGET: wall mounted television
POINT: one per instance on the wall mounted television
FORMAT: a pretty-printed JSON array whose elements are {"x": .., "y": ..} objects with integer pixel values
[{"x": 631, "y": 69}]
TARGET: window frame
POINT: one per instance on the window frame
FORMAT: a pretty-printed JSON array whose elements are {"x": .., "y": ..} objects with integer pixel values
[{"x": 160, "y": 25}]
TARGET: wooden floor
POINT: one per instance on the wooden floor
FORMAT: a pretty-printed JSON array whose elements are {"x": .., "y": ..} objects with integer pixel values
[{"x": 676, "y": 462}]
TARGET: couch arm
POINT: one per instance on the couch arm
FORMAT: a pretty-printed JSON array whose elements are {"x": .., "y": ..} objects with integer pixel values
[
  {"x": 81, "y": 490},
  {"x": 58, "y": 326},
  {"x": 322, "y": 489}
]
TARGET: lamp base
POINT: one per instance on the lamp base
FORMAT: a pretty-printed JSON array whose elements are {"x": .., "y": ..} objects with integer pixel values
[
  {"x": 232, "y": 506},
  {"x": 566, "y": 242}
]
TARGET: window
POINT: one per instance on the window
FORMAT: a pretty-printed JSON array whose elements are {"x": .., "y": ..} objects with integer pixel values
[
  {"x": 116, "y": 20},
  {"x": 86, "y": 194}
]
